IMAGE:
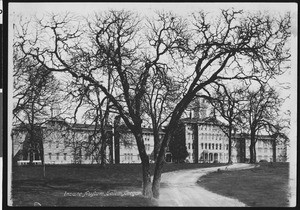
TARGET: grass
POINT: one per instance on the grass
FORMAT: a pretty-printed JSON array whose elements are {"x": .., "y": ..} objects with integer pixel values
[
  {"x": 84, "y": 185},
  {"x": 264, "y": 186}
]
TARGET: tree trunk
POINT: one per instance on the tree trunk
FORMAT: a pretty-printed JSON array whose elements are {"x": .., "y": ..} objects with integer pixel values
[
  {"x": 229, "y": 143},
  {"x": 274, "y": 149},
  {"x": 116, "y": 137},
  {"x": 157, "y": 142},
  {"x": 195, "y": 143},
  {"x": 147, "y": 191},
  {"x": 180, "y": 107},
  {"x": 30, "y": 157},
  {"x": 252, "y": 147},
  {"x": 158, "y": 167},
  {"x": 103, "y": 149}
]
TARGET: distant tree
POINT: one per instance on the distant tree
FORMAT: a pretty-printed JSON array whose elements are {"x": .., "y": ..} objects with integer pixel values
[
  {"x": 278, "y": 130},
  {"x": 159, "y": 100},
  {"x": 35, "y": 89},
  {"x": 177, "y": 145},
  {"x": 227, "y": 104},
  {"x": 260, "y": 113}
]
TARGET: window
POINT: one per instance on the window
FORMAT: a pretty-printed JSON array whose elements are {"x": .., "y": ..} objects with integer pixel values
[
  {"x": 205, "y": 145},
  {"x": 50, "y": 156},
  {"x": 220, "y": 146},
  {"x": 65, "y": 156},
  {"x": 208, "y": 146},
  {"x": 57, "y": 143},
  {"x": 201, "y": 145},
  {"x": 57, "y": 156},
  {"x": 189, "y": 145},
  {"x": 226, "y": 146},
  {"x": 212, "y": 145},
  {"x": 216, "y": 146}
]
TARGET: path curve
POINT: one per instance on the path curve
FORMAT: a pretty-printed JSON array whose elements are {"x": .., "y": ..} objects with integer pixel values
[{"x": 179, "y": 188}]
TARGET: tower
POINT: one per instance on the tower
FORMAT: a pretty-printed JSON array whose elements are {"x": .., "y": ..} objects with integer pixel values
[{"x": 203, "y": 108}]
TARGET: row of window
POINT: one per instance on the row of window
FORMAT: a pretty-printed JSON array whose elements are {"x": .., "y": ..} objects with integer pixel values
[
  {"x": 129, "y": 156},
  {"x": 209, "y": 146},
  {"x": 207, "y": 127},
  {"x": 147, "y": 136},
  {"x": 206, "y": 136},
  {"x": 204, "y": 128},
  {"x": 147, "y": 146},
  {"x": 57, "y": 144},
  {"x": 57, "y": 156},
  {"x": 264, "y": 150}
]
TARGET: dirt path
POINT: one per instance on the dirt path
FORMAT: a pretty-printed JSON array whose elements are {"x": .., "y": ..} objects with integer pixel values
[{"x": 180, "y": 188}]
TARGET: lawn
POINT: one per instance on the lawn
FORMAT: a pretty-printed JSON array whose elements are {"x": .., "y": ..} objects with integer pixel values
[
  {"x": 84, "y": 185},
  {"x": 264, "y": 186}
]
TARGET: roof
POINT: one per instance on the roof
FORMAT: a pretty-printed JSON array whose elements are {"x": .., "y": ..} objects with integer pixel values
[{"x": 245, "y": 135}]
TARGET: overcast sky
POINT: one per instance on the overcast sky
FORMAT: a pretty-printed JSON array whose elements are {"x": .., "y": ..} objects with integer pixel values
[{"x": 180, "y": 8}]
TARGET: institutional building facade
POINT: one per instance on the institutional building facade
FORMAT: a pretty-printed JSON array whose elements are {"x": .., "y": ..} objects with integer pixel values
[{"x": 205, "y": 140}]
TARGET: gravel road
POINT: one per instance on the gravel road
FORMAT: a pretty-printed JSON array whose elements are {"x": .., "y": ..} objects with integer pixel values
[{"x": 179, "y": 188}]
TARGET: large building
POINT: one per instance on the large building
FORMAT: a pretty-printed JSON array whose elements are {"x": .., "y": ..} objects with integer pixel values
[
  {"x": 206, "y": 139},
  {"x": 206, "y": 142},
  {"x": 77, "y": 144},
  {"x": 204, "y": 136}
]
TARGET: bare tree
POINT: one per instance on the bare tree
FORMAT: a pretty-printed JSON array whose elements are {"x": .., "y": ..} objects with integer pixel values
[
  {"x": 34, "y": 90},
  {"x": 227, "y": 103},
  {"x": 160, "y": 99},
  {"x": 261, "y": 111},
  {"x": 221, "y": 49}
]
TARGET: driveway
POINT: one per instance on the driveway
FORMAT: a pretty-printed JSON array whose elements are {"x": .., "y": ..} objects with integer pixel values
[{"x": 179, "y": 188}]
